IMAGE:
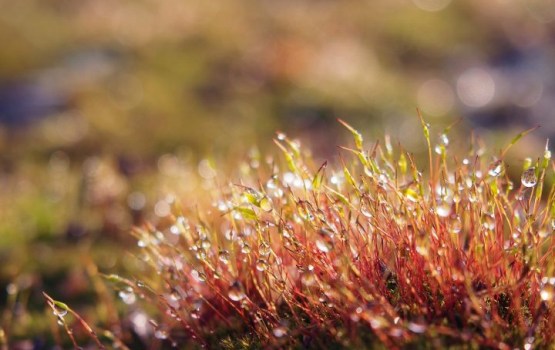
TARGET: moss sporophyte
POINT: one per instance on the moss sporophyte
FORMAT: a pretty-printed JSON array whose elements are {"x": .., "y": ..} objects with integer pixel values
[{"x": 369, "y": 252}]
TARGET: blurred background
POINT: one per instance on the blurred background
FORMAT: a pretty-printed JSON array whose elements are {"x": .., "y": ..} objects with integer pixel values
[{"x": 108, "y": 108}]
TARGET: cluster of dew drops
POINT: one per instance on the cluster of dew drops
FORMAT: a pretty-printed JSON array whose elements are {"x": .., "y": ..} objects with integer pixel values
[{"x": 274, "y": 196}]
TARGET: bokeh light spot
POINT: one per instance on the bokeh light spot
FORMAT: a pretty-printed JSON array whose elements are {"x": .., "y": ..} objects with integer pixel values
[{"x": 476, "y": 87}]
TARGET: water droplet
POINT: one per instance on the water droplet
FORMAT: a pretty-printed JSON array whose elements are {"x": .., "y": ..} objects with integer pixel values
[
  {"x": 198, "y": 275},
  {"x": 230, "y": 235},
  {"x": 308, "y": 278},
  {"x": 206, "y": 244},
  {"x": 355, "y": 316},
  {"x": 529, "y": 178},
  {"x": 141, "y": 243},
  {"x": 245, "y": 248},
  {"x": 417, "y": 328},
  {"x": 444, "y": 139},
  {"x": 222, "y": 206},
  {"x": 281, "y": 136},
  {"x": 495, "y": 169},
  {"x": 422, "y": 250},
  {"x": 528, "y": 344},
  {"x": 382, "y": 180},
  {"x": 174, "y": 229},
  {"x": 488, "y": 222},
  {"x": 377, "y": 322},
  {"x": 365, "y": 210},
  {"x": 337, "y": 179},
  {"x": 266, "y": 204},
  {"x": 286, "y": 233},
  {"x": 57, "y": 311},
  {"x": 236, "y": 292},
  {"x": 127, "y": 295},
  {"x": 224, "y": 256},
  {"x": 264, "y": 249},
  {"x": 261, "y": 265},
  {"x": 271, "y": 184},
  {"x": 547, "y": 292},
  {"x": 173, "y": 299},
  {"x": 323, "y": 246},
  {"x": 279, "y": 331},
  {"x": 455, "y": 225},
  {"x": 443, "y": 210},
  {"x": 439, "y": 149},
  {"x": 195, "y": 314},
  {"x": 161, "y": 334}
]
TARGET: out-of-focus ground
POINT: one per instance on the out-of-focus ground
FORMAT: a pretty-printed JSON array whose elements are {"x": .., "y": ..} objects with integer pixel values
[{"x": 108, "y": 108}]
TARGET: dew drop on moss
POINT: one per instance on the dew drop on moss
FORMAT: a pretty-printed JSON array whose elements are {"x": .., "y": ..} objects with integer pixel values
[
  {"x": 198, "y": 275},
  {"x": 495, "y": 169},
  {"x": 547, "y": 292},
  {"x": 455, "y": 225},
  {"x": 308, "y": 278},
  {"x": 323, "y": 246},
  {"x": 161, "y": 334},
  {"x": 261, "y": 265},
  {"x": 195, "y": 314},
  {"x": 206, "y": 244},
  {"x": 488, "y": 222},
  {"x": 444, "y": 139},
  {"x": 529, "y": 178},
  {"x": 127, "y": 295},
  {"x": 224, "y": 256},
  {"x": 443, "y": 210},
  {"x": 236, "y": 292},
  {"x": 416, "y": 327},
  {"x": 439, "y": 149},
  {"x": 264, "y": 249},
  {"x": 266, "y": 204},
  {"x": 279, "y": 331},
  {"x": 174, "y": 229},
  {"x": 364, "y": 210},
  {"x": 245, "y": 248},
  {"x": 61, "y": 313}
]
